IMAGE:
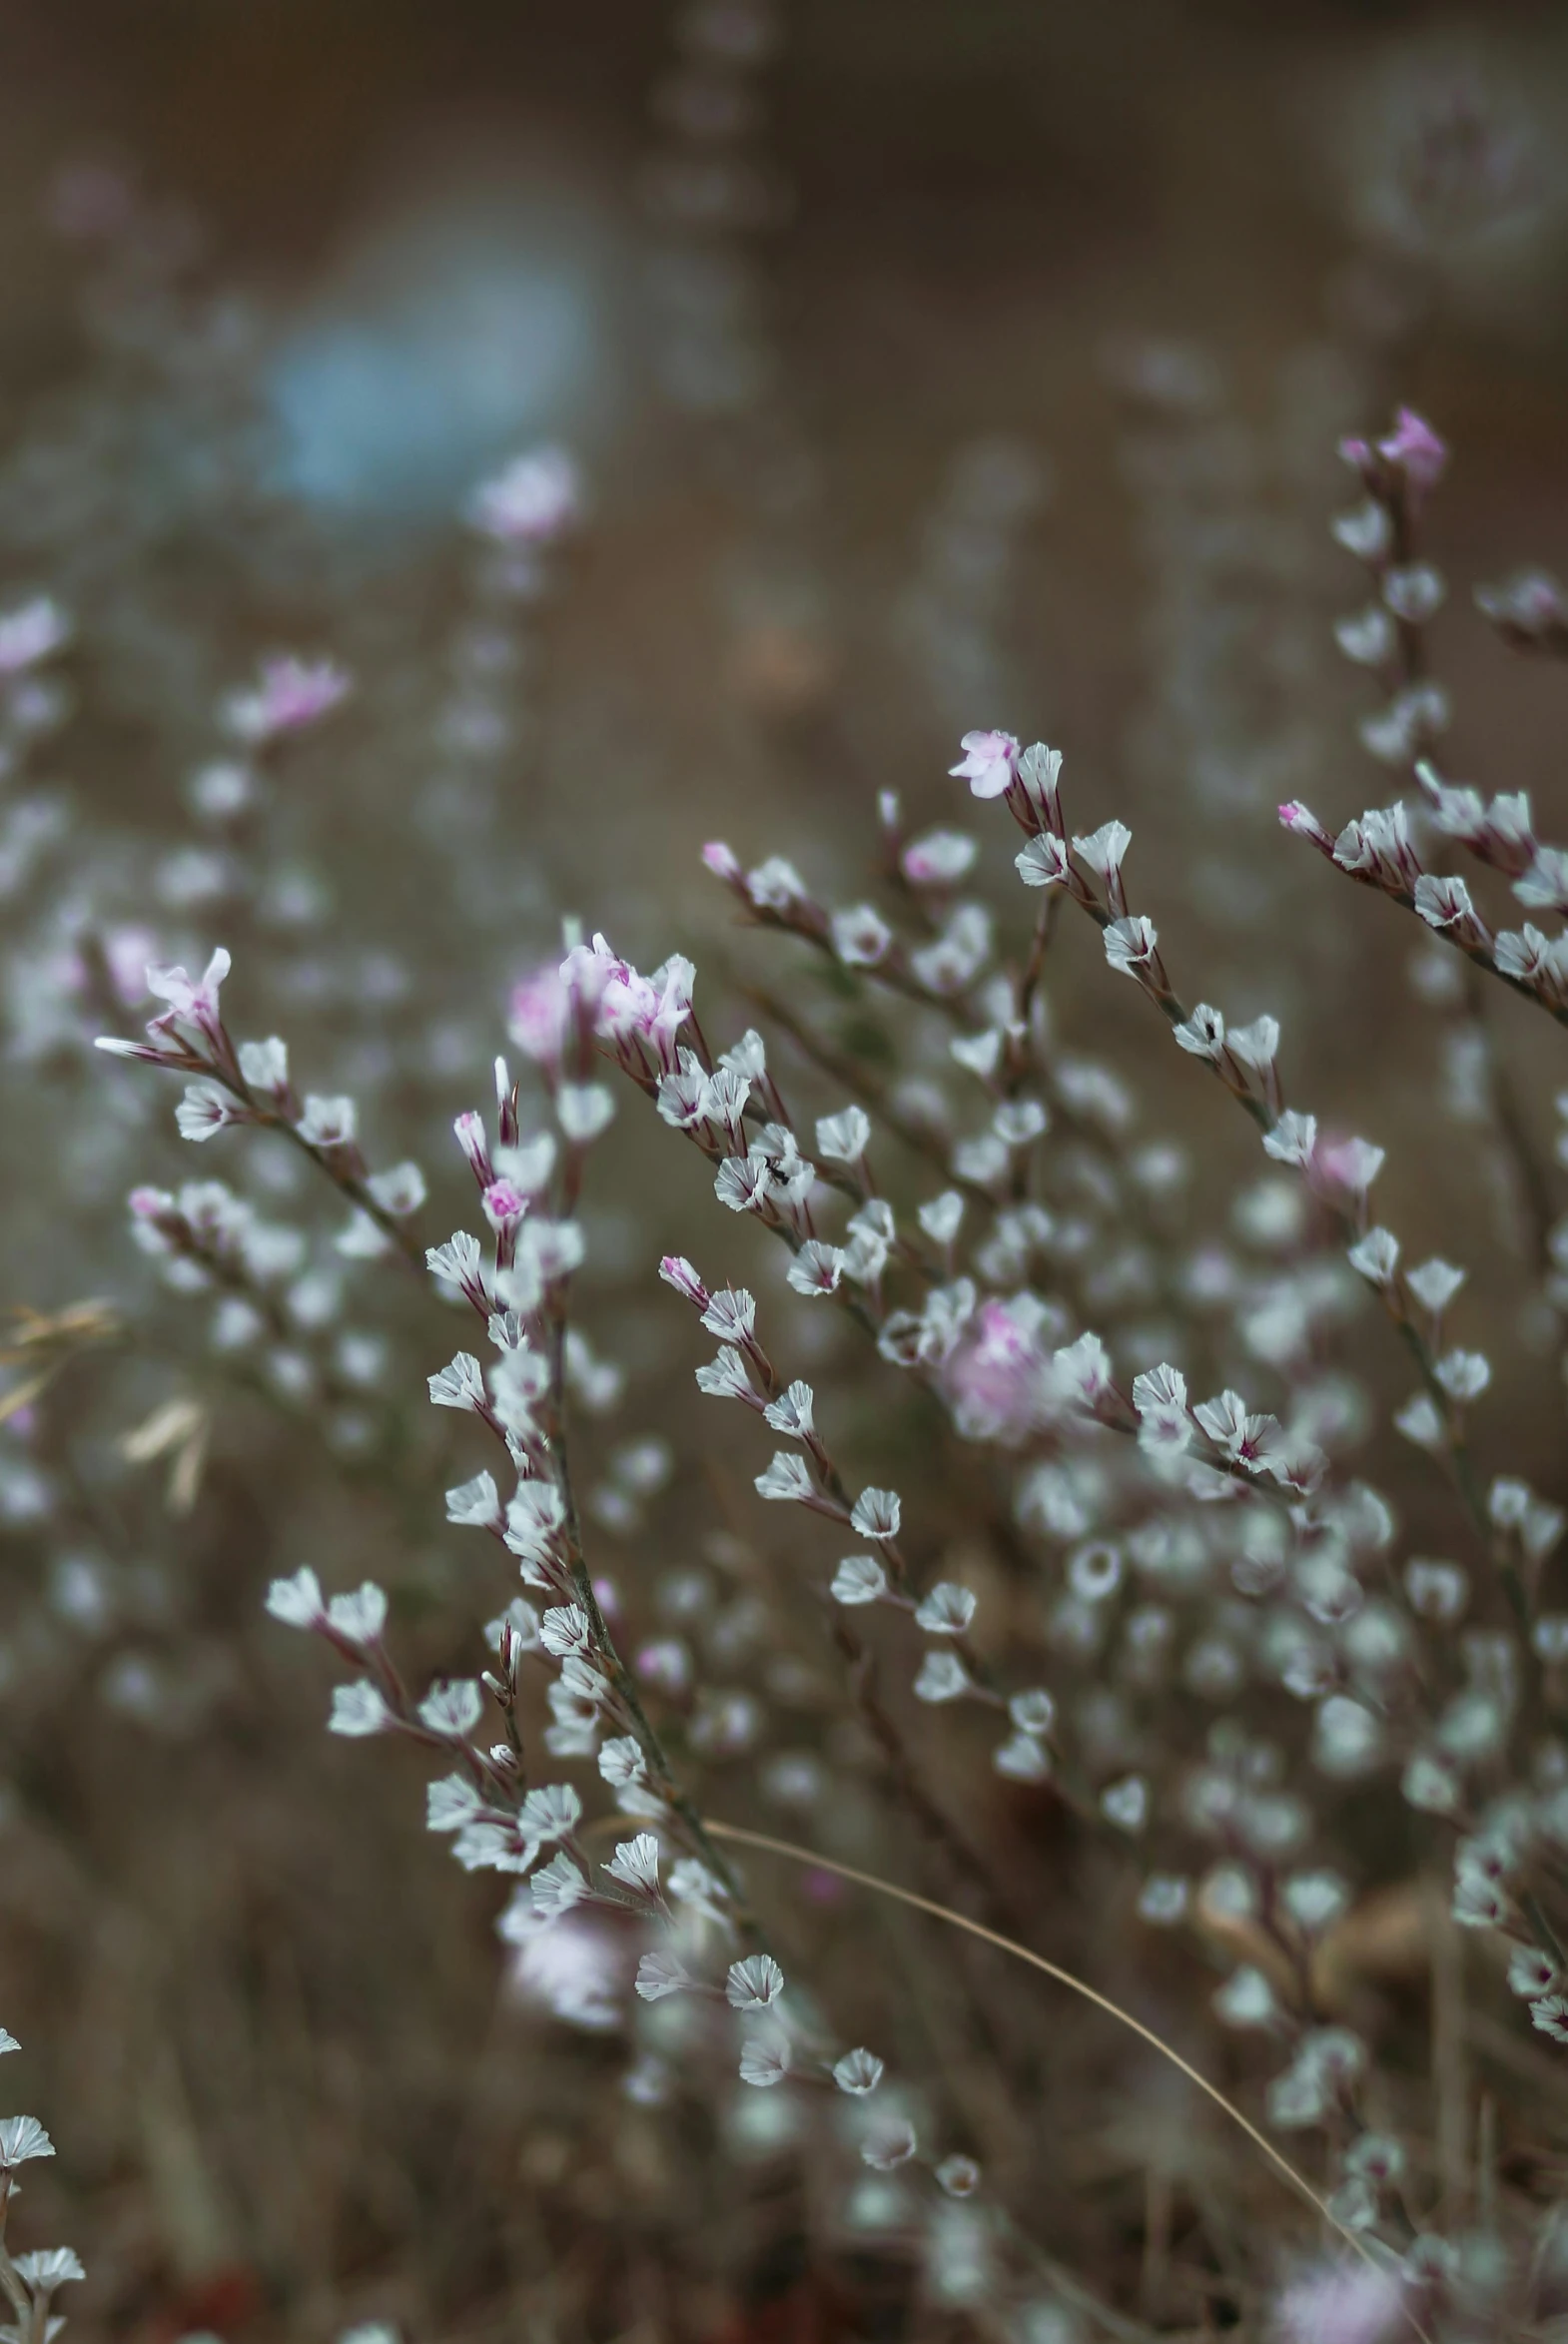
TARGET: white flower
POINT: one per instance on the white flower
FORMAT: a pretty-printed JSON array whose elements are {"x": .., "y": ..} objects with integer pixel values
[
  {"x": 1434, "y": 1283},
  {"x": 817, "y": 1268},
  {"x": 941, "y": 1218},
  {"x": 859, "y": 1579},
  {"x": 452, "y": 1804},
  {"x": 43, "y": 2271},
  {"x": 622, "y": 1762},
  {"x": 358, "y": 1709},
  {"x": 731, "y": 1315},
  {"x": 947, "y": 1608},
  {"x": 1377, "y": 1256},
  {"x": 943, "y": 1677},
  {"x": 1202, "y": 1034},
  {"x": 1420, "y": 1421},
  {"x": 476, "y": 1503},
  {"x": 8, "y": 2041},
  {"x": 460, "y": 1263},
  {"x": 1257, "y": 1045},
  {"x": 1464, "y": 1375},
  {"x": 787, "y": 1479},
  {"x": 1083, "y": 1371},
  {"x": 858, "y": 2072},
  {"x": 660, "y": 1974},
  {"x": 743, "y": 1182},
  {"x": 265, "y": 1065},
  {"x": 565, "y": 1629},
  {"x": 296, "y": 1601},
  {"x": 792, "y": 1411},
  {"x": 1130, "y": 944},
  {"x": 1033, "y": 1710},
  {"x": 557, "y": 1886},
  {"x": 327, "y": 1122},
  {"x": 1017, "y": 1122},
  {"x": 1442, "y": 903},
  {"x": 861, "y": 937},
  {"x": 458, "y": 1385},
  {"x": 877, "y": 1513},
  {"x": 1125, "y": 1804},
  {"x": 844, "y": 1138},
  {"x": 583, "y": 1111},
  {"x": 1246, "y": 1999},
  {"x": 890, "y": 2146},
  {"x": 1104, "y": 848},
  {"x": 1044, "y": 862},
  {"x": 359, "y": 1618},
  {"x": 205, "y": 1108},
  {"x": 764, "y": 2060},
  {"x": 452, "y": 1705},
  {"x": 754, "y": 1983},
  {"x": 400, "y": 1191},
  {"x": 635, "y": 1864},
  {"x": 725, "y": 1377},
  {"x": 22, "y": 2137},
  {"x": 1293, "y": 1139},
  {"x": 776, "y": 884},
  {"x": 1022, "y": 1758}
]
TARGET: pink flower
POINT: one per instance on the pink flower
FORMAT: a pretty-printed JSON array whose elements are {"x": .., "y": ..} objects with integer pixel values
[
  {"x": 190, "y": 1003},
  {"x": 505, "y": 1206},
  {"x": 996, "y": 1381},
  {"x": 677, "y": 1271},
  {"x": 536, "y": 499},
  {"x": 989, "y": 763},
  {"x": 1414, "y": 449},
  {"x": 1301, "y": 822},
  {"x": 722, "y": 861},
  {"x": 126, "y": 952},
  {"x": 290, "y": 695},
  {"x": 540, "y": 1019},
  {"x": 1340, "y": 2303}
]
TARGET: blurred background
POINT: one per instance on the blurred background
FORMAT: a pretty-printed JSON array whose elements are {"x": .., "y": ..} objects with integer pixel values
[{"x": 928, "y": 364}]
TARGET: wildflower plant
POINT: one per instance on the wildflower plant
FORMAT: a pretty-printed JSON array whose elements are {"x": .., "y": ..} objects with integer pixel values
[{"x": 1203, "y": 1651}]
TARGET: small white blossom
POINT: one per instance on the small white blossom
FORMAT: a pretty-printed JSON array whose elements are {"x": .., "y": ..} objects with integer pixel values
[
  {"x": 858, "y": 2072},
  {"x": 296, "y": 1601},
  {"x": 743, "y": 1182},
  {"x": 1464, "y": 1375},
  {"x": 1202, "y": 1034},
  {"x": 358, "y": 1709},
  {"x": 565, "y": 1629},
  {"x": 844, "y": 1138},
  {"x": 877, "y": 1513},
  {"x": 1377, "y": 1256},
  {"x": 361, "y": 1617},
  {"x": 583, "y": 1111},
  {"x": 557, "y": 1886},
  {"x": 1130, "y": 944},
  {"x": 1434, "y": 1283},
  {"x": 660, "y": 1974},
  {"x": 731, "y": 1315},
  {"x": 940, "y": 1219},
  {"x": 754, "y": 1983},
  {"x": 635, "y": 1864},
  {"x": 946, "y": 1610},
  {"x": 817, "y": 1268},
  {"x": 452, "y": 1705},
  {"x": 861, "y": 937},
  {"x": 764, "y": 2060},
  {"x": 459, "y": 1385},
  {"x": 1293, "y": 1139},
  {"x": 1125, "y": 1804},
  {"x": 943, "y": 1677},
  {"x": 205, "y": 1108},
  {"x": 890, "y": 2146},
  {"x": 1044, "y": 862},
  {"x": 725, "y": 1378},
  {"x": 22, "y": 2137},
  {"x": 792, "y": 1411},
  {"x": 327, "y": 1122},
  {"x": 476, "y": 1503},
  {"x": 859, "y": 1579},
  {"x": 787, "y": 1479}
]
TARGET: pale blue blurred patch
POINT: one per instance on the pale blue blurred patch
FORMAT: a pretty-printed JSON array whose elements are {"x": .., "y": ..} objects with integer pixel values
[{"x": 451, "y": 337}]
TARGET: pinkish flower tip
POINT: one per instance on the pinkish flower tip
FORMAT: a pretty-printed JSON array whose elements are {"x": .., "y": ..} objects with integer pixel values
[{"x": 722, "y": 861}]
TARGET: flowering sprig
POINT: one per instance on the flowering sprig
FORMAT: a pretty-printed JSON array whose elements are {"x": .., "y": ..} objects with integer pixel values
[
  {"x": 29, "y": 2281},
  {"x": 250, "y": 1085}
]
